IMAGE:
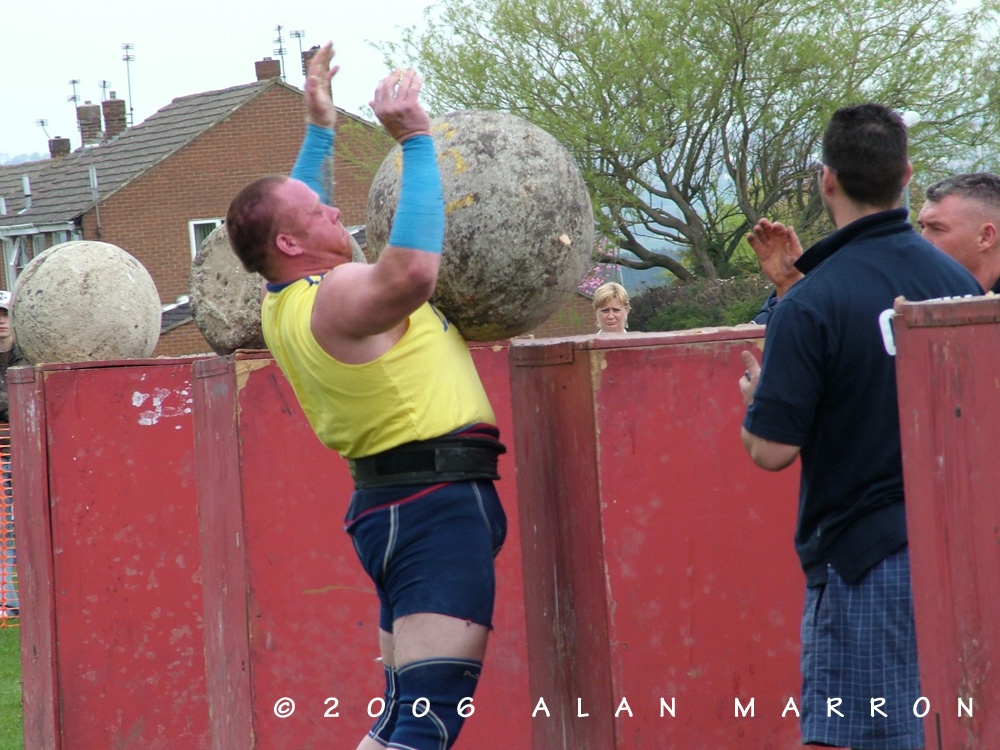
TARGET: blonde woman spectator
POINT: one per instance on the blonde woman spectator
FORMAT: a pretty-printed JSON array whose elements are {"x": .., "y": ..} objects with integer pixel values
[{"x": 611, "y": 308}]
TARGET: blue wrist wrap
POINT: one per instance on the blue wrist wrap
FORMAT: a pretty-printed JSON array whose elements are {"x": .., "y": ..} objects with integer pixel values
[
  {"x": 312, "y": 166},
  {"x": 419, "y": 221}
]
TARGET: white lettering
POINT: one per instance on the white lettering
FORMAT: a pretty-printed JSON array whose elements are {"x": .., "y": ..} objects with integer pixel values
[
  {"x": 465, "y": 710},
  {"x": 885, "y": 324},
  {"x": 921, "y": 707},
  {"x": 740, "y": 709},
  {"x": 790, "y": 706},
  {"x": 671, "y": 709},
  {"x": 425, "y": 708},
  {"x": 540, "y": 706},
  {"x": 831, "y": 706},
  {"x": 381, "y": 707},
  {"x": 877, "y": 704},
  {"x": 623, "y": 706},
  {"x": 968, "y": 709},
  {"x": 331, "y": 712}
]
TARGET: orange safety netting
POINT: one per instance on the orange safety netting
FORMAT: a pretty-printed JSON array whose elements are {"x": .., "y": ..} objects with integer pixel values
[{"x": 9, "y": 602}]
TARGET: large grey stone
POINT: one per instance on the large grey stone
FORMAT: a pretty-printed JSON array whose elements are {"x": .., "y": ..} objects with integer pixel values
[
  {"x": 83, "y": 300},
  {"x": 519, "y": 223},
  {"x": 225, "y": 297}
]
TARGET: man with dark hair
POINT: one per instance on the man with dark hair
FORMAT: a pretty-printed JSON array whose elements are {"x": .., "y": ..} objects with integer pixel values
[
  {"x": 826, "y": 392},
  {"x": 962, "y": 217},
  {"x": 387, "y": 381}
]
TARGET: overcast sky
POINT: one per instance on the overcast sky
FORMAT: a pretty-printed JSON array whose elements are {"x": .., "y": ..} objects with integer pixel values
[{"x": 180, "y": 48}]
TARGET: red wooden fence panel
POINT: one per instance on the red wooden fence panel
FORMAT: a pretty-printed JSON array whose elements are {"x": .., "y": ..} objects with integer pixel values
[
  {"x": 948, "y": 371},
  {"x": 660, "y": 569}
]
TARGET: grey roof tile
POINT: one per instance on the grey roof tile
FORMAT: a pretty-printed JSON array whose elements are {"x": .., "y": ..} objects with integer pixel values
[
  {"x": 61, "y": 187},
  {"x": 11, "y": 185}
]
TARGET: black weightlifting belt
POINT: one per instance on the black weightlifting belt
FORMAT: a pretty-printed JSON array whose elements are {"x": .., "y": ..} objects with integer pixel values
[{"x": 450, "y": 458}]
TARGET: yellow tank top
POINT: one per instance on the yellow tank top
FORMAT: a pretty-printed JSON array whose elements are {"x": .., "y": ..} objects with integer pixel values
[{"x": 424, "y": 387}]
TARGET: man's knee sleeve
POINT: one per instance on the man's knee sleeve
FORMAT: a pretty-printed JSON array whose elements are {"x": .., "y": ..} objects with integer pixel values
[
  {"x": 434, "y": 695},
  {"x": 385, "y": 724}
]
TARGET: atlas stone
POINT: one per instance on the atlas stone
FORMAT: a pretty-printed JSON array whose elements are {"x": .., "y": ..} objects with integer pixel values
[
  {"x": 225, "y": 297},
  {"x": 83, "y": 301},
  {"x": 519, "y": 228}
]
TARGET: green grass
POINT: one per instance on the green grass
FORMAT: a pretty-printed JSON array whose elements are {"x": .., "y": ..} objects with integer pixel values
[{"x": 11, "y": 736}]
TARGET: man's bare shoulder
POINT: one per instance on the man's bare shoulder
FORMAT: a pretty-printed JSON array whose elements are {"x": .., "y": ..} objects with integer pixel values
[
  {"x": 344, "y": 323},
  {"x": 349, "y": 272}
]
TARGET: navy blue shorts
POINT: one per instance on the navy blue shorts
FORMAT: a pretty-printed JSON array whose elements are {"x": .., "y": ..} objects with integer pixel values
[
  {"x": 430, "y": 548},
  {"x": 858, "y": 643}
]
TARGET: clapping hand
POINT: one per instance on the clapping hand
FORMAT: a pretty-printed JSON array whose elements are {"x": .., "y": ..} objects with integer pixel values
[
  {"x": 748, "y": 383},
  {"x": 777, "y": 249}
]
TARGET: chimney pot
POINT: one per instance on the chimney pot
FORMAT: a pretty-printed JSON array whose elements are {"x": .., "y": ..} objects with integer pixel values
[
  {"x": 89, "y": 118},
  {"x": 115, "y": 119},
  {"x": 58, "y": 146},
  {"x": 307, "y": 57},
  {"x": 268, "y": 68}
]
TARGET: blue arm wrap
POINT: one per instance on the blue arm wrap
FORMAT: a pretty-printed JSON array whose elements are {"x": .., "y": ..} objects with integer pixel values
[
  {"x": 419, "y": 221},
  {"x": 311, "y": 166}
]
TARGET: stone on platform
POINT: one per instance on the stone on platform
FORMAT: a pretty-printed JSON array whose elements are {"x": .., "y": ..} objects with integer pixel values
[
  {"x": 82, "y": 301},
  {"x": 225, "y": 297}
]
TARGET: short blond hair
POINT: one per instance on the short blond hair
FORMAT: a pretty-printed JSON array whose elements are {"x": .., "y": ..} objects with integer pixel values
[{"x": 610, "y": 291}]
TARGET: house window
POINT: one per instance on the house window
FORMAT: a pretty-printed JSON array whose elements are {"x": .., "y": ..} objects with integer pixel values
[
  {"x": 59, "y": 237},
  {"x": 9, "y": 256},
  {"x": 18, "y": 251},
  {"x": 199, "y": 229},
  {"x": 37, "y": 246}
]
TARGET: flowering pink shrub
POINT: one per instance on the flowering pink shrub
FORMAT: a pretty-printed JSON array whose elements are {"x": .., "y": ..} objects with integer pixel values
[{"x": 601, "y": 273}]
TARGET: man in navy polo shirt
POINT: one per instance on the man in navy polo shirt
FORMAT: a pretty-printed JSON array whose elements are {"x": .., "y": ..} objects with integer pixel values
[{"x": 826, "y": 391}]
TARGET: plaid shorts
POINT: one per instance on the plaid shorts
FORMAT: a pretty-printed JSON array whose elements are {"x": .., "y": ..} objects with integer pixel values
[{"x": 858, "y": 644}]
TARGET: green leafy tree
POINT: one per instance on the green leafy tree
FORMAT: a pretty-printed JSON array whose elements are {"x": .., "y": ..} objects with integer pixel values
[{"x": 690, "y": 119}]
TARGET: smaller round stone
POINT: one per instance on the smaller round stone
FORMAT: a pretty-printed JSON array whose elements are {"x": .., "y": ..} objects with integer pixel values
[{"x": 83, "y": 301}]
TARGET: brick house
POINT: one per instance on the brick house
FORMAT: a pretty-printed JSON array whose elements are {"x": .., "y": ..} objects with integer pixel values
[{"x": 165, "y": 184}]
